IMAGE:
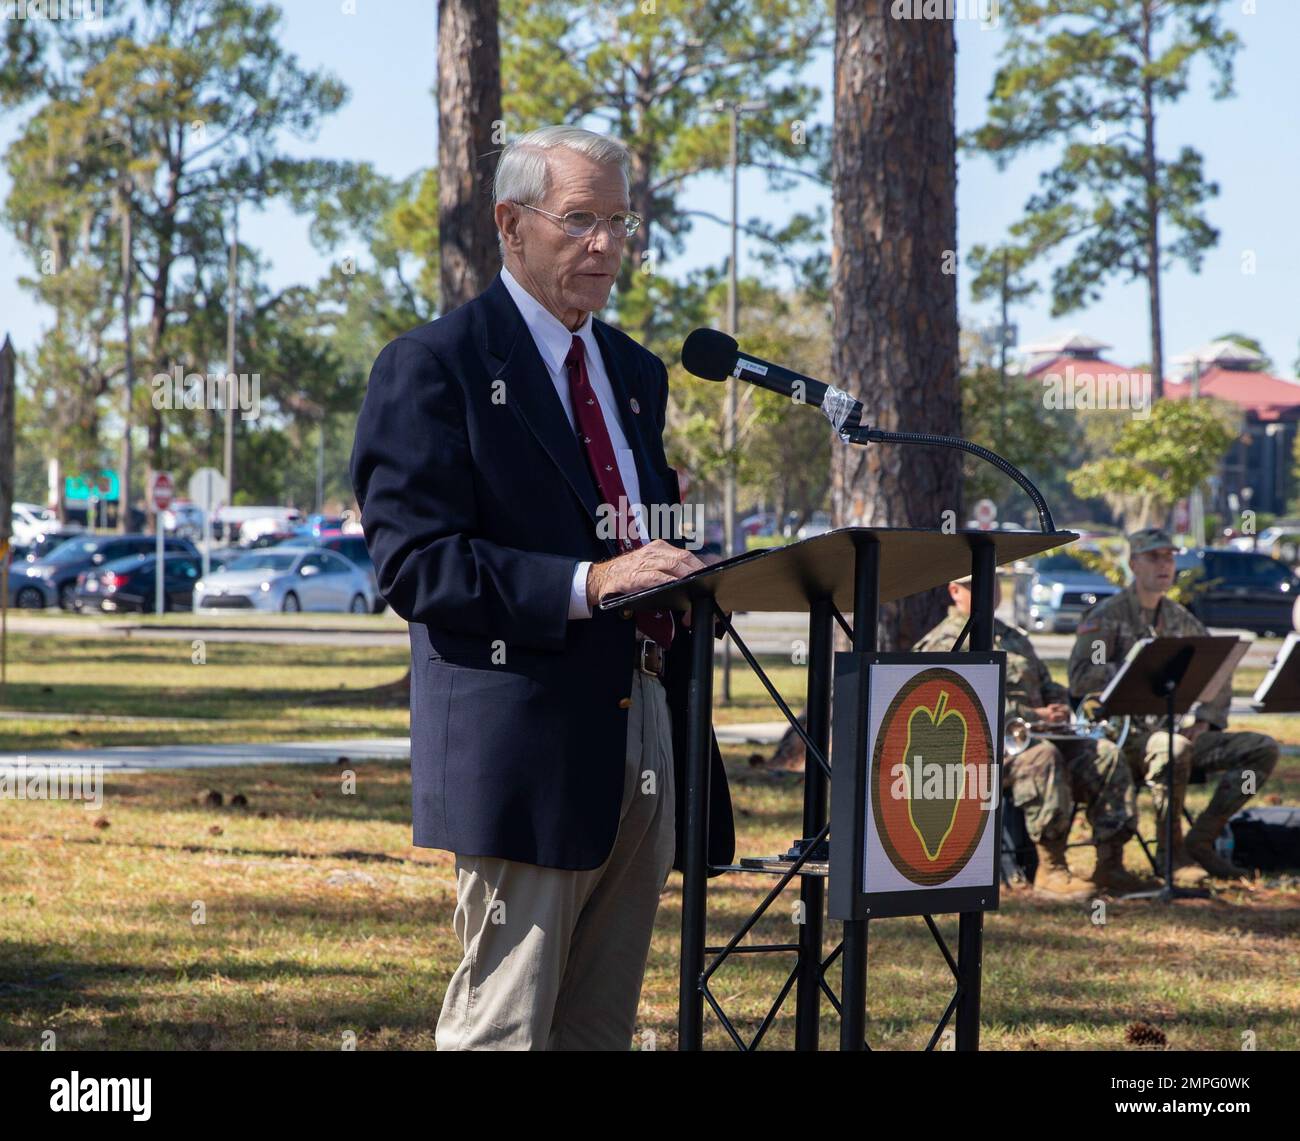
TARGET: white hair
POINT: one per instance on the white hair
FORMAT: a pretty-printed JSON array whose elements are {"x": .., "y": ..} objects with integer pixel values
[{"x": 523, "y": 174}]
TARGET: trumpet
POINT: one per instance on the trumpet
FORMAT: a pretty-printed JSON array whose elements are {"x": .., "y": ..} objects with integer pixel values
[{"x": 1017, "y": 733}]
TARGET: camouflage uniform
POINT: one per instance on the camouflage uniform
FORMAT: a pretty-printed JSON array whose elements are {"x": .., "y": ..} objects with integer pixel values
[
  {"x": 1046, "y": 781},
  {"x": 1105, "y": 635}
]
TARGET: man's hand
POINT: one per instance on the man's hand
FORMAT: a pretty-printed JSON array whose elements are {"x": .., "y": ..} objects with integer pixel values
[
  {"x": 646, "y": 567},
  {"x": 1054, "y": 713}
]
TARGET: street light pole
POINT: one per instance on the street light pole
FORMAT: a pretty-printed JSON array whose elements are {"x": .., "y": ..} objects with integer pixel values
[
  {"x": 128, "y": 362},
  {"x": 231, "y": 307},
  {"x": 1196, "y": 501},
  {"x": 730, "y": 538}
]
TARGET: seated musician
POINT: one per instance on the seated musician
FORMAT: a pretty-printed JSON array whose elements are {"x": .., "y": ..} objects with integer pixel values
[
  {"x": 1047, "y": 780},
  {"x": 1106, "y": 634}
]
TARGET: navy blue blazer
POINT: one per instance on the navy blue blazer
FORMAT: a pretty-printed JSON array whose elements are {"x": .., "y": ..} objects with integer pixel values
[{"x": 476, "y": 502}]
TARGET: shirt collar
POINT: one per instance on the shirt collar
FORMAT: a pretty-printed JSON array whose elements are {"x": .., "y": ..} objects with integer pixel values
[{"x": 550, "y": 334}]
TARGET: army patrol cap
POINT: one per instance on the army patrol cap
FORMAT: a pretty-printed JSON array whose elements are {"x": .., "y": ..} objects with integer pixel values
[
  {"x": 1149, "y": 539},
  {"x": 963, "y": 581}
]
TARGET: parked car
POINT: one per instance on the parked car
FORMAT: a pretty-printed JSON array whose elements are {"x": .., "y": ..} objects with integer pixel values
[
  {"x": 288, "y": 579},
  {"x": 315, "y": 526},
  {"x": 1240, "y": 590},
  {"x": 265, "y": 539},
  {"x": 762, "y": 524},
  {"x": 228, "y": 522},
  {"x": 218, "y": 557},
  {"x": 185, "y": 519},
  {"x": 1053, "y": 596},
  {"x": 52, "y": 580},
  {"x": 351, "y": 547},
  {"x": 42, "y": 545},
  {"x": 129, "y": 584},
  {"x": 28, "y": 521}
]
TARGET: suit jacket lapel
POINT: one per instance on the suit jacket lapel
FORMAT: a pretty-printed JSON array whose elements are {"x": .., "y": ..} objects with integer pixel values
[{"x": 512, "y": 357}]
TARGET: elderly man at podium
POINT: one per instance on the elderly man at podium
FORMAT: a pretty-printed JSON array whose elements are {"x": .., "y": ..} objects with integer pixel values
[
  {"x": 505, "y": 456},
  {"x": 1106, "y": 634},
  {"x": 1046, "y": 781}
]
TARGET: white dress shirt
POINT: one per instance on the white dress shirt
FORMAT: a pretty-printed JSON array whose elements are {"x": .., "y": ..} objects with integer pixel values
[{"x": 553, "y": 340}]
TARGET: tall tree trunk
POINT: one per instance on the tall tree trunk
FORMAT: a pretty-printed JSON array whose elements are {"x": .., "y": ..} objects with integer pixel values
[
  {"x": 1152, "y": 215},
  {"x": 894, "y": 289},
  {"x": 469, "y": 112},
  {"x": 128, "y": 367}
]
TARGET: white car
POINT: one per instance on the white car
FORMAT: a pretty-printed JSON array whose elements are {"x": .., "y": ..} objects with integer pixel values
[
  {"x": 251, "y": 530},
  {"x": 287, "y": 579},
  {"x": 28, "y": 522},
  {"x": 184, "y": 519}
]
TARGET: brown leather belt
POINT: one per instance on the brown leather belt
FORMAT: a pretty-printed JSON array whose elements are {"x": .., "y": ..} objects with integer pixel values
[{"x": 650, "y": 657}]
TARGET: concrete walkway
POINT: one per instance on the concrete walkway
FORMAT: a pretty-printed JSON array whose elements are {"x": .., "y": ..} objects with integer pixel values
[{"x": 150, "y": 758}]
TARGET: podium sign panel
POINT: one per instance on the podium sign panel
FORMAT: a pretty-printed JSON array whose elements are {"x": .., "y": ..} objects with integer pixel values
[{"x": 915, "y": 828}]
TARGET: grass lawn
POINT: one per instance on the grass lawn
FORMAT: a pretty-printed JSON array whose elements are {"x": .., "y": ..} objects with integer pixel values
[{"x": 159, "y": 921}]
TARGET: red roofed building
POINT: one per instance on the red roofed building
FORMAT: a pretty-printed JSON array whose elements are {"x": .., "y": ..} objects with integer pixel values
[{"x": 1261, "y": 459}]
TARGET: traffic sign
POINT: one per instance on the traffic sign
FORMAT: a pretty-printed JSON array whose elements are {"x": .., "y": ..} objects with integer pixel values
[
  {"x": 161, "y": 490},
  {"x": 207, "y": 489}
]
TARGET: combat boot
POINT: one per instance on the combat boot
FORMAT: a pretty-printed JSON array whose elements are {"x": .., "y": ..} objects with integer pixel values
[
  {"x": 1187, "y": 872},
  {"x": 1110, "y": 873},
  {"x": 1053, "y": 877},
  {"x": 1200, "y": 845}
]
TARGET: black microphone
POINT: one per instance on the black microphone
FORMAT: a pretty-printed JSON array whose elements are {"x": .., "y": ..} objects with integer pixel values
[{"x": 712, "y": 355}]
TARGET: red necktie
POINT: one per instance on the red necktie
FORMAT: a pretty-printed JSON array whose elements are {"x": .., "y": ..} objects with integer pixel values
[{"x": 656, "y": 624}]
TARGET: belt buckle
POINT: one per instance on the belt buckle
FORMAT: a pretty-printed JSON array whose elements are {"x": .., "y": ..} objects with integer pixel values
[{"x": 645, "y": 644}]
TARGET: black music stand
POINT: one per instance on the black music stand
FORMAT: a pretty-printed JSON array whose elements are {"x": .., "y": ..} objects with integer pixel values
[
  {"x": 850, "y": 570},
  {"x": 1279, "y": 692},
  {"x": 1167, "y": 676}
]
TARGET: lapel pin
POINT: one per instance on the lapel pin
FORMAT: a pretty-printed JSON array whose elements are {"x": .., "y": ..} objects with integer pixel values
[{"x": 635, "y": 406}]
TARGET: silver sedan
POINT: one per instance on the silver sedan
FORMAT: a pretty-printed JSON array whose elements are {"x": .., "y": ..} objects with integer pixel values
[{"x": 285, "y": 579}]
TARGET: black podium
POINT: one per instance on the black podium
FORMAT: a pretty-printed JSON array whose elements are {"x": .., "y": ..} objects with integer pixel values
[{"x": 852, "y": 570}]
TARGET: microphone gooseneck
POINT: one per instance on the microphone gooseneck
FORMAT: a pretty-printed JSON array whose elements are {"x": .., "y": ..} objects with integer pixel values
[{"x": 712, "y": 355}]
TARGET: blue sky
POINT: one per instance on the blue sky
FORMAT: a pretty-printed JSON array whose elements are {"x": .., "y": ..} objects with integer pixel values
[{"x": 1251, "y": 143}]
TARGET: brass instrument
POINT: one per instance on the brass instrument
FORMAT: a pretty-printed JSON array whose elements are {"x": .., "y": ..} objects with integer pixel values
[{"x": 1017, "y": 733}]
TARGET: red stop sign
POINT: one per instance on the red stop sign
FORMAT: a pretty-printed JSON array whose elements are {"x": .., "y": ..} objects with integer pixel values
[{"x": 162, "y": 490}]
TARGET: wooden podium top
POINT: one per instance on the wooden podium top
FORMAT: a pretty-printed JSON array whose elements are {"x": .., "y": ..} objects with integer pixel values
[{"x": 789, "y": 577}]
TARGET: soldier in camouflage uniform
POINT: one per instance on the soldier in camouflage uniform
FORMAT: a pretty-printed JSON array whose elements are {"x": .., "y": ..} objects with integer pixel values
[
  {"x": 1046, "y": 781},
  {"x": 1105, "y": 635}
]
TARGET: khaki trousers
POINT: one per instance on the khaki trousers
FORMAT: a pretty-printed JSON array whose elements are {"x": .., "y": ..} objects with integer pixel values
[{"x": 553, "y": 959}]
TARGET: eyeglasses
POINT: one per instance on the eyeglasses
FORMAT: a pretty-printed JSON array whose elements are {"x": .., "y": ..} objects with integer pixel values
[{"x": 580, "y": 223}]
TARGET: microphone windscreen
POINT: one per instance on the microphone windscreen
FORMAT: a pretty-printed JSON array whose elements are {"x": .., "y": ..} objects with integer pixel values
[{"x": 709, "y": 354}]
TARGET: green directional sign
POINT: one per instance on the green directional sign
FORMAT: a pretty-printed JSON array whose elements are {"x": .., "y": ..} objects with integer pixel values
[{"x": 79, "y": 488}]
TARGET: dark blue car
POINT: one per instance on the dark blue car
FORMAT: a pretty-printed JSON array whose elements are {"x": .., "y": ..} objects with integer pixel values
[
  {"x": 1239, "y": 590},
  {"x": 52, "y": 580}
]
